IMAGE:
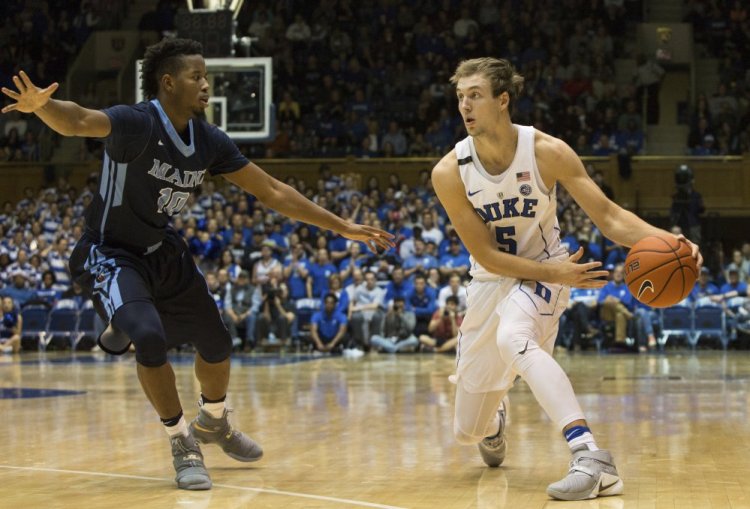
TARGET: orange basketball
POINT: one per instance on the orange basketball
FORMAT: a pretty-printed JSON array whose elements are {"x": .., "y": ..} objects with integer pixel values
[{"x": 660, "y": 271}]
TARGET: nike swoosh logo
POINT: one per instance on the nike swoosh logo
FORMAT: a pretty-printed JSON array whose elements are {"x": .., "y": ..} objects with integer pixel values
[
  {"x": 526, "y": 347},
  {"x": 646, "y": 285},
  {"x": 475, "y": 192},
  {"x": 160, "y": 143},
  {"x": 605, "y": 488}
]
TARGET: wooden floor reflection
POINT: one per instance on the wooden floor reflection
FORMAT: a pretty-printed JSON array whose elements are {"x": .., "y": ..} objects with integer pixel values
[{"x": 372, "y": 432}]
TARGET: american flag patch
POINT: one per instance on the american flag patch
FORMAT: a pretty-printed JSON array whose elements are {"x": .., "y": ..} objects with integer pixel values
[{"x": 523, "y": 176}]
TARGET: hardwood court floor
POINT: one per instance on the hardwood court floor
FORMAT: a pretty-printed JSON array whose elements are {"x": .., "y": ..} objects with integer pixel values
[{"x": 372, "y": 432}]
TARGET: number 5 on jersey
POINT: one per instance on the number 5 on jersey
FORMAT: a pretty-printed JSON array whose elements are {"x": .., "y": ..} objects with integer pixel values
[
  {"x": 170, "y": 202},
  {"x": 505, "y": 240}
]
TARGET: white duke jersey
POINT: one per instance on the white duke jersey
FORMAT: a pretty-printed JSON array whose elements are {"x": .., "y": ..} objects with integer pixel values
[{"x": 515, "y": 205}]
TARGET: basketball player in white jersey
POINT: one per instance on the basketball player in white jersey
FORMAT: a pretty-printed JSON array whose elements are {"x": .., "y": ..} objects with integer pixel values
[{"x": 498, "y": 188}]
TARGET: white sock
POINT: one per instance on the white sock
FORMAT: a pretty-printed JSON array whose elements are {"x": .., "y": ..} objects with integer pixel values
[
  {"x": 215, "y": 410},
  {"x": 180, "y": 428},
  {"x": 578, "y": 436}
]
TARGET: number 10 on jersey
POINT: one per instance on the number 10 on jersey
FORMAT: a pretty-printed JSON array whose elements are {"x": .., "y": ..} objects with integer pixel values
[{"x": 171, "y": 202}]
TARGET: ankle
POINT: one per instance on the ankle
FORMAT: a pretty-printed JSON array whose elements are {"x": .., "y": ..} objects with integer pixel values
[{"x": 214, "y": 408}]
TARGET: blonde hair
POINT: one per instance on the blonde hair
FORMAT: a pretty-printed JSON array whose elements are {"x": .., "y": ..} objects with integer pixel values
[{"x": 499, "y": 72}]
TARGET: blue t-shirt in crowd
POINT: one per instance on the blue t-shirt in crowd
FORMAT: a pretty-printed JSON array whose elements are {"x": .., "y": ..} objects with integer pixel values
[
  {"x": 328, "y": 324},
  {"x": 319, "y": 275},
  {"x": 698, "y": 293},
  {"x": 423, "y": 304},
  {"x": 620, "y": 291},
  {"x": 453, "y": 262},
  {"x": 297, "y": 285}
]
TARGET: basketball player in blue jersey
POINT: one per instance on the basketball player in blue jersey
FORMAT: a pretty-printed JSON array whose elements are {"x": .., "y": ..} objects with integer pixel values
[
  {"x": 135, "y": 266},
  {"x": 498, "y": 188}
]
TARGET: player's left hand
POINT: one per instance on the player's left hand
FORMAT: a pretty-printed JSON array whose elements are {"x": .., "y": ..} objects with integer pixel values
[
  {"x": 374, "y": 237},
  {"x": 696, "y": 251},
  {"x": 29, "y": 97}
]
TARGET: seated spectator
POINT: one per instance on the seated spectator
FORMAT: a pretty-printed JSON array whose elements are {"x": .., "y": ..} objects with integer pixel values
[
  {"x": 11, "y": 327},
  {"x": 355, "y": 260},
  {"x": 264, "y": 265},
  {"x": 46, "y": 293},
  {"x": 318, "y": 274},
  {"x": 296, "y": 271},
  {"x": 443, "y": 328},
  {"x": 335, "y": 287},
  {"x": 737, "y": 264},
  {"x": 704, "y": 289},
  {"x": 19, "y": 290},
  {"x": 420, "y": 261},
  {"x": 367, "y": 311},
  {"x": 616, "y": 304},
  {"x": 454, "y": 288},
  {"x": 76, "y": 294},
  {"x": 645, "y": 317},
  {"x": 580, "y": 313},
  {"x": 631, "y": 139},
  {"x": 397, "y": 287},
  {"x": 398, "y": 330},
  {"x": 328, "y": 327},
  {"x": 241, "y": 306},
  {"x": 423, "y": 302},
  {"x": 58, "y": 263},
  {"x": 455, "y": 261},
  {"x": 396, "y": 138},
  {"x": 734, "y": 287},
  {"x": 276, "y": 317},
  {"x": 431, "y": 232}
]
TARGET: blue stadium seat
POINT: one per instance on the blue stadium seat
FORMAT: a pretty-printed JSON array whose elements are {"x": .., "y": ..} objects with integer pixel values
[
  {"x": 87, "y": 328},
  {"x": 63, "y": 322},
  {"x": 34, "y": 327},
  {"x": 675, "y": 321},
  {"x": 305, "y": 309},
  {"x": 710, "y": 321}
]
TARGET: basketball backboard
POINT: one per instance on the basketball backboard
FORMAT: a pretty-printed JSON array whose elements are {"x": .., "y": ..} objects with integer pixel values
[{"x": 241, "y": 96}]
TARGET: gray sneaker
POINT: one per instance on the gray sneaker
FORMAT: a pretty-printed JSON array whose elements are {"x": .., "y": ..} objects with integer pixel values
[
  {"x": 493, "y": 448},
  {"x": 592, "y": 474},
  {"x": 188, "y": 463},
  {"x": 210, "y": 430}
]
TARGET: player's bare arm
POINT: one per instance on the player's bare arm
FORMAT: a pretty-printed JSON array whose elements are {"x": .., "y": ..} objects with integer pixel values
[
  {"x": 478, "y": 240},
  {"x": 286, "y": 200},
  {"x": 64, "y": 117},
  {"x": 558, "y": 161}
]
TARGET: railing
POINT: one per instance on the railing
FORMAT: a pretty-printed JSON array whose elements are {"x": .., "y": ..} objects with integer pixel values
[{"x": 724, "y": 182}]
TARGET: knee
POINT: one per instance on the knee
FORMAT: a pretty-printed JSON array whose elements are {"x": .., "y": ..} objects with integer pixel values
[
  {"x": 516, "y": 343},
  {"x": 150, "y": 345}
]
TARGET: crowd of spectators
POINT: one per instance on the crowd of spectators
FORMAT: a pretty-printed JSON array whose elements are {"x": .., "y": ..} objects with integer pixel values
[
  {"x": 720, "y": 120},
  {"x": 370, "y": 79},
  {"x": 43, "y": 38},
  {"x": 277, "y": 281}
]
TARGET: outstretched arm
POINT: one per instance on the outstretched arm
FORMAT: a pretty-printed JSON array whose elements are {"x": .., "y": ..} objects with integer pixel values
[
  {"x": 617, "y": 224},
  {"x": 483, "y": 246},
  {"x": 287, "y": 200},
  {"x": 64, "y": 117}
]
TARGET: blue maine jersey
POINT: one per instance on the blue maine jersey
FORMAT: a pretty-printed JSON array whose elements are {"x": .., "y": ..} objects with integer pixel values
[{"x": 149, "y": 173}]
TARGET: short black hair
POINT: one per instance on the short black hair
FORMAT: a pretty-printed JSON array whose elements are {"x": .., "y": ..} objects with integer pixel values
[
  {"x": 163, "y": 58},
  {"x": 331, "y": 296},
  {"x": 453, "y": 299}
]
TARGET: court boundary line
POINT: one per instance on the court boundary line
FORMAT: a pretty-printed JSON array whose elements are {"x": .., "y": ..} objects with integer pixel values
[{"x": 227, "y": 486}]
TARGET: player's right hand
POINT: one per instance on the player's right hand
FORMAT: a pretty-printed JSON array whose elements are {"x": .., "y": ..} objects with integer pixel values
[
  {"x": 29, "y": 97},
  {"x": 580, "y": 275}
]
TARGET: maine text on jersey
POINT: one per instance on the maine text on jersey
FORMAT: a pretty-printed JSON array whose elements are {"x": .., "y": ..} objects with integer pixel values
[{"x": 179, "y": 178}]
